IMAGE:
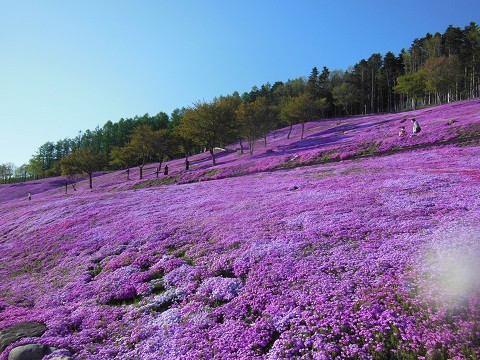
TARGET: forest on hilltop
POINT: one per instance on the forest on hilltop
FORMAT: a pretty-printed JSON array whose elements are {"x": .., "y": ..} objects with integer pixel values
[{"x": 437, "y": 68}]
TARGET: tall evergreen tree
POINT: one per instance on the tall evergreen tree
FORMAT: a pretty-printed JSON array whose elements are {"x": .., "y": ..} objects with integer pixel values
[{"x": 313, "y": 86}]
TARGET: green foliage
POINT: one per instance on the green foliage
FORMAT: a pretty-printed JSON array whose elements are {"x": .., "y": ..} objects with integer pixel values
[
  {"x": 255, "y": 119},
  {"x": 442, "y": 74},
  {"x": 313, "y": 83},
  {"x": 210, "y": 124},
  {"x": 346, "y": 95},
  {"x": 143, "y": 145},
  {"x": 85, "y": 161},
  {"x": 175, "y": 118},
  {"x": 301, "y": 109},
  {"x": 123, "y": 157},
  {"x": 7, "y": 171},
  {"x": 412, "y": 85}
]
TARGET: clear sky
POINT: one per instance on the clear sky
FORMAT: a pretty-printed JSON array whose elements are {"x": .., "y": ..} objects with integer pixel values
[{"x": 67, "y": 66}]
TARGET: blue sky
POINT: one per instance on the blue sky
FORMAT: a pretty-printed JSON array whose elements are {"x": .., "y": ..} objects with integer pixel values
[{"x": 67, "y": 66}]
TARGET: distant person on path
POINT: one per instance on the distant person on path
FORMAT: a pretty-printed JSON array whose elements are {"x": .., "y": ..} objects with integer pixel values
[
  {"x": 165, "y": 171},
  {"x": 29, "y": 196},
  {"x": 402, "y": 132},
  {"x": 187, "y": 165},
  {"x": 416, "y": 127}
]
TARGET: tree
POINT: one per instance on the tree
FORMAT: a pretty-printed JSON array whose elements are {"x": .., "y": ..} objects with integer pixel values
[
  {"x": 227, "y": 106},
  {"x": 295, "y": 87},
  {"x": 161, "y": 146},
  {"x": 85, "y": 160},
  {"x": 175, "y": 117},
  {"x": 302, "y": 109},
  {"x": 471, "y": 56},
  {"x": 391, "y": 69},
  {"x": 432, "y": 45},
  {"x": 442, "y": 75},
  {"x": 21, "y": 172},
  {"x": 70, "y": 171},
  {"x": 313, "y": 85},
  {"x": 269, "y": 120},
  {"x": 209, "y": 124},
  {"x": 142, "y": 145},
  {"x": 288, "y": 114},
  {"x": 374, "y": 66},
  {"x": 123, "y": 157},
  {"x": 35, "y": 167},
  {"x": 46, "y": 155},
  {"x": 413, "y": 86},
  {"x": 452, "y": 41},
  {"x": 324, "y": 83},
  {"x": 346, "y": 95},
  {"x": 249, "y": 117},
  {"x": 7, "y": 171}
]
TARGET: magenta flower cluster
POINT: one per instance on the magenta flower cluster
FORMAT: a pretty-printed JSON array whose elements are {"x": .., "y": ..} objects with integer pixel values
[{"x": 370, "y": 258}]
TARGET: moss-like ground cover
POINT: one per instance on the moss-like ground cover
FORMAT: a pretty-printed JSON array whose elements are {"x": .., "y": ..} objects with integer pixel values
[{"x": 372, "y": 258}]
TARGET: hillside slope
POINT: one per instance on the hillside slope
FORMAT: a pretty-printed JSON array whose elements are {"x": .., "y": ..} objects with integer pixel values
[
  {"x": 376, "y": 257},
  {"x": 325, "y": 141}
]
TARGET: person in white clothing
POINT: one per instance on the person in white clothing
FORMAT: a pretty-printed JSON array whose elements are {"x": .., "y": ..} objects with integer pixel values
[{"x": 416, "y": 127}]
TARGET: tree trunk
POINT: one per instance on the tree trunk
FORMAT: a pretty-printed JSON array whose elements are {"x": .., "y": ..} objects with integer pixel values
[
  {"x": 289, "y": 131},
  {"x": 389, "y": 93},
  {"x": 466, "y": 84},
  {"x": 472, "y": 85},
  {"x": 303, "y": 130},
  {"x": 90, "y": 180},
  {"x": 241, "y": 146},
  {"x": 213, "y": 156},
  {"x": 250, "y": 146},
  {"x": 372, "y": 99},
  {"x": 128, "y": 173},
  {"x": 141, "y": 171},
  {"x": 265, "y": 140},
  {"x": 160, "y": 163}
]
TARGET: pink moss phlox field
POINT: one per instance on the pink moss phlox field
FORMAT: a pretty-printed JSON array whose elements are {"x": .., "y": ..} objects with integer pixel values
[{"x": 370, "y": 258}]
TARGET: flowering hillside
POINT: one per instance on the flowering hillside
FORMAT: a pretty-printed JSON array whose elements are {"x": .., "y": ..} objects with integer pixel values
[
  {"x": 374, "y": 257},
  {"x": 21, "y": 190}
]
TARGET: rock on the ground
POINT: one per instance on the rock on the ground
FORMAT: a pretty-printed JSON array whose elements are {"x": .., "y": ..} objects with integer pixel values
[
  {"x": 29, "y": 352},
  {"x": 18, "y": 331}
]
